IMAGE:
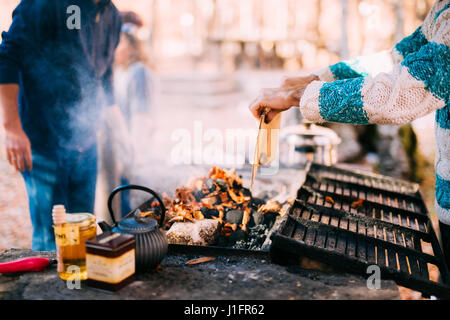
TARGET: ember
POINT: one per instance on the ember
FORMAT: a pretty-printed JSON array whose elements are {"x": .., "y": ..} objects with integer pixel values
[
  {"x": 357, "y": 204},
  {"x": 244, "y": 220}
]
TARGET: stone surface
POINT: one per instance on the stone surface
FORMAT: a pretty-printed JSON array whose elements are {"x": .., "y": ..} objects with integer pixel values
[
  {"x": 238, "y": 278},
  {"x": 201, "y": 232}
]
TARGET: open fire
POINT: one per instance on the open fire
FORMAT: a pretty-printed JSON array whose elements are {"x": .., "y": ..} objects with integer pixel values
[{"x": 219, "y": 201}]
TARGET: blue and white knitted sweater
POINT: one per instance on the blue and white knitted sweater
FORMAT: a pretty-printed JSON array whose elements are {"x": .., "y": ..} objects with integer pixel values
[{"x": 395, "y": 87}]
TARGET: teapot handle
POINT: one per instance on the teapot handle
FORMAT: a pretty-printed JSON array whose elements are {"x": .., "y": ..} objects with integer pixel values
[{"x": 136, "y": 187}]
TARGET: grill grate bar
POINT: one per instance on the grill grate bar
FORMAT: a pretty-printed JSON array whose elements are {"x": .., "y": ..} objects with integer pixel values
[
  {"x": 368, "y": 205},
  {"x": 353, "y": 220},
  {"x": 356, "y": 218},
  {"x": 285, "y": 246},
  {"x": 373, "y": 240},
  {"x": 356, "y": 192},
  {"x": 363, "y": 187},
  {"x": 370, "y": 180}
]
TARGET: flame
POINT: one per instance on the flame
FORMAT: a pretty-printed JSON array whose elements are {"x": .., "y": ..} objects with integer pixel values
[{"x": 226, "y": 191}]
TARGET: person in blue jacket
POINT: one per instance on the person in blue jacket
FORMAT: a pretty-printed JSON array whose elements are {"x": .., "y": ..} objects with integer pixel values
[{"x": 55, "y": 77}]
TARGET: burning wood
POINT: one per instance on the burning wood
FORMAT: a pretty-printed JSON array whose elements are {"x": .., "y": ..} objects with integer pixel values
[
  {"x": 358, "y": 203},
  {"x": 201, "y": 260},
  {"x": 220, "y": 196},
  {"x": 246, "y": 218},
  {"x": 271, "y": 205},
  {"x": 329, "y": 199}
]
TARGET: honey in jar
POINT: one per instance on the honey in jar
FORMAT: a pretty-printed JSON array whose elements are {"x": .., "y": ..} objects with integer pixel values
[{"x": 70, "y": 238}]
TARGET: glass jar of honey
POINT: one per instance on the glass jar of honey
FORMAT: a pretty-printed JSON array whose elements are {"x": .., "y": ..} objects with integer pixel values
[{"x": 70, "y": 238}]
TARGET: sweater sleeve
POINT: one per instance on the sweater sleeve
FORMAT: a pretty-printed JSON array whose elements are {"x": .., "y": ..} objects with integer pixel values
[
  {"x": 31, "y": 22},
  {"x": 416, "y": 87},
  {"x": 409, "y": 44},
  {"x": 371, "y": 65},
  {"x": 360, "y": 67}
]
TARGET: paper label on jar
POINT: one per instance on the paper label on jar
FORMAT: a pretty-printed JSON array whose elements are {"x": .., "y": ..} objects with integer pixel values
[
  {"x": 67, "y": 235},
  {"x": 110, "y": 270}
]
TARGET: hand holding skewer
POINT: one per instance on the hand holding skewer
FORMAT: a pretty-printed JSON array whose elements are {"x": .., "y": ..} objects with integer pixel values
[{"x": 280, "y": 99}]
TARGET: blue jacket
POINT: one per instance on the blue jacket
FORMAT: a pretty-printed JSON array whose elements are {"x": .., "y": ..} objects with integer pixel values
[{"x": 65, "y": 75}]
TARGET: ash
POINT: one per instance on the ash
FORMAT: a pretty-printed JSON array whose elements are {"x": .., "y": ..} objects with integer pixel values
[
  {"x": 275, "y": 189},
  {"x": 255, "y": 238}
]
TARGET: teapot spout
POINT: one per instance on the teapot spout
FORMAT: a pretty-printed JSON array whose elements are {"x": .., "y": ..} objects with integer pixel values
[{"x": 104, "y": 226}]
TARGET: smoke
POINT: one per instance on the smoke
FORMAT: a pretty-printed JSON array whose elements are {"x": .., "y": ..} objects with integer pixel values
[{"x": 66, "y": 95}]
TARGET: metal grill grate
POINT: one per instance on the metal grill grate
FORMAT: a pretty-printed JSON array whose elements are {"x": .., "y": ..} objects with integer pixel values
[
  {"x": 354, "y": 220},
  {"x": 367, "y": 179}
]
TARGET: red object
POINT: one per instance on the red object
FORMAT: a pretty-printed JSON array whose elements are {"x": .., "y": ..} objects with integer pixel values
[{"x": 22, "y": 265}]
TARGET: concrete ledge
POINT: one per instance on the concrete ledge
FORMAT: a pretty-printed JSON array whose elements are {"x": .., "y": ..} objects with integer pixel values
[{"x": 225, "y": 278}]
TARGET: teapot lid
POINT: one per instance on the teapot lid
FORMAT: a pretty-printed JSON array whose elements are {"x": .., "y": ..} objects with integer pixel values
[{"x": 138, "y": 225}]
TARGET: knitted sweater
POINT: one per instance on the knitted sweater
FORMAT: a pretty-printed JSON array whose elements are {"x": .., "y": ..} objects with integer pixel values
[{"x": 395, "y": 87}]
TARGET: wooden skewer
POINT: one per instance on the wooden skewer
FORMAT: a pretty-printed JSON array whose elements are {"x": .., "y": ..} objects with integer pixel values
[{"x": 255, "y": 166}]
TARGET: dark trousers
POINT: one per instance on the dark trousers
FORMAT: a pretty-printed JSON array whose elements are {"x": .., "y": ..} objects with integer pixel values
[
  {"x": 68, "y": 178},
  {"x": 445, "y": 241}
]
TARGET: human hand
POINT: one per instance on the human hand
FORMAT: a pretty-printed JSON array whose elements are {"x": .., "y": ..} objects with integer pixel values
[
  {"x": 303, "y": 81},
  {"x": 131, "y": 17},
  {"x": 18, "y": 148},
  {"x": 275, "y": 101}
]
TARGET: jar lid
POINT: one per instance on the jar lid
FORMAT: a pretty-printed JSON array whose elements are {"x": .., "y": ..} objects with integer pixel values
[
  {"x": 83, "y": 219},
  {"x": 110, "y": 244}
]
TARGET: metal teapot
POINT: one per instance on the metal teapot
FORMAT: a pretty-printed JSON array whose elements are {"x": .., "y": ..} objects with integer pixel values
[
  {"x": 307, "y": 142},
  {"x": 151, "y": 242}
]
